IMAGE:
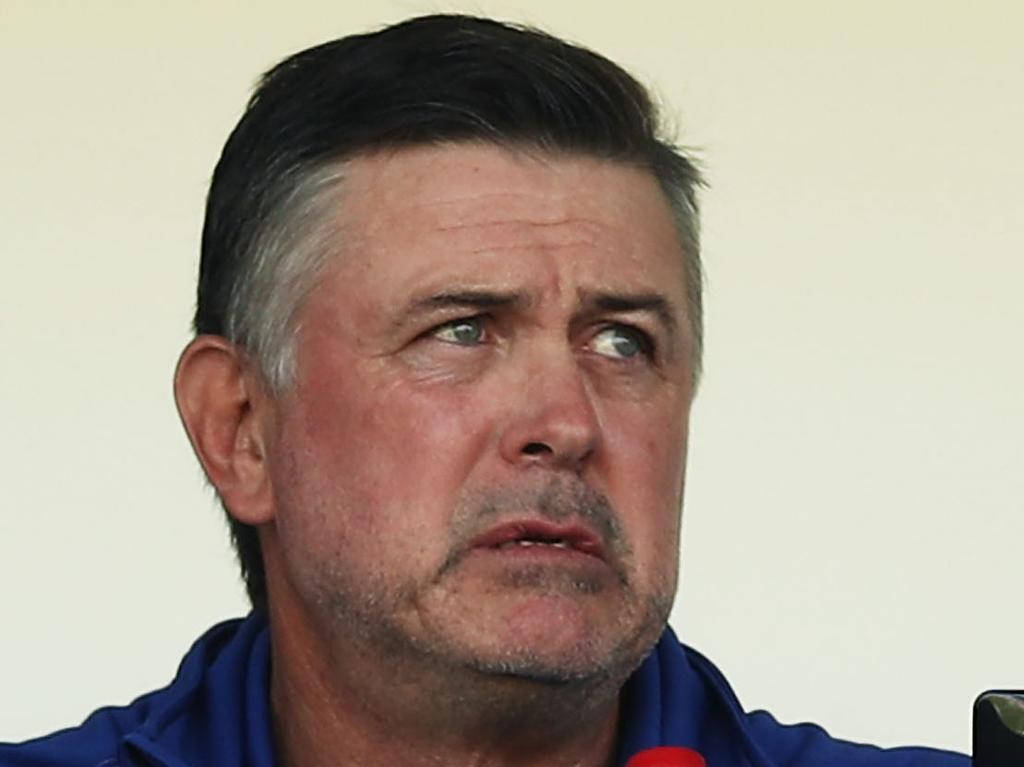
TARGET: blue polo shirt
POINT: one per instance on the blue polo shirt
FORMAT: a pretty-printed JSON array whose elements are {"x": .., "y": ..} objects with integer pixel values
[{"x": 216, "y": 714}]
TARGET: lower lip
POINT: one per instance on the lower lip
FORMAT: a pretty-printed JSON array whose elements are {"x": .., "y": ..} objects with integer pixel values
[{"x": 540, "y": 553}]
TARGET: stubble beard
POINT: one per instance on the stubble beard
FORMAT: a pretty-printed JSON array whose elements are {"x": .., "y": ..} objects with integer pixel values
[{"x": 371, "y": 613}]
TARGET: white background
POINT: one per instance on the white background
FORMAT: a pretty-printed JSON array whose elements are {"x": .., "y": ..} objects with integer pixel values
[{"x": 854, "y": 512}]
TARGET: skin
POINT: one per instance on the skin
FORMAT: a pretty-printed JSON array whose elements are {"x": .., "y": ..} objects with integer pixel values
[{"x": 501, "y": 341}]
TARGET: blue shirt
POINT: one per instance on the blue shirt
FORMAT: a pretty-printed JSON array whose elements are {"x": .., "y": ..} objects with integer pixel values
[{"x": 216, "y": 714}]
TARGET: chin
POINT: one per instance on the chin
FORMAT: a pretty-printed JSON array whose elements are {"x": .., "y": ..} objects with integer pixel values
[
  {"x": 542, "y": 668},
  {"x": 564, "y": 647}
]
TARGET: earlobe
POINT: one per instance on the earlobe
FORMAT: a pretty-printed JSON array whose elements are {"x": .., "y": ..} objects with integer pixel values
[{"x": 225, "y": 409}]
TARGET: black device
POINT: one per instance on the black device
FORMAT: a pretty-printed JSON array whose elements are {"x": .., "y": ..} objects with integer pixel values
[{"x": 999, "y": 729}]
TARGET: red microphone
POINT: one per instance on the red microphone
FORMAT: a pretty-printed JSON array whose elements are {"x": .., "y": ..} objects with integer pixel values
[{"x": 666, "y": 756}]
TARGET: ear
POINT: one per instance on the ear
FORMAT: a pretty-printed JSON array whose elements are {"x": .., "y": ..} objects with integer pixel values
[{"x": 226, "y": 411}]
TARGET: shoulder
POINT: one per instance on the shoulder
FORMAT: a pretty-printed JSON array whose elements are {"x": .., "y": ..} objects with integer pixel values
[
  {"x": 809, "y": 744},
  {"x": 105, "y": 737},
  {"x": 94, "y": 743},
  {"x": 759, "y": 740}
]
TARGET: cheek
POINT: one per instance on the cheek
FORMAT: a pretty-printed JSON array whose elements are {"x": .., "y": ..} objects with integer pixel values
[
  {"x": 384, "y": 458},
  {"x": 646, "y": 450},
  {"x": 646, "y": 455}
]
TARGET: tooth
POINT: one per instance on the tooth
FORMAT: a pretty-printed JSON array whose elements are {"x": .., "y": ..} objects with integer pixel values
[{"x": 527, "y": 543}]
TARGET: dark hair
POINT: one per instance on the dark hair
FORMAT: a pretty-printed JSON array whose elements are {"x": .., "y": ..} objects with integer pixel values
[{"x": 432, "y": 79}]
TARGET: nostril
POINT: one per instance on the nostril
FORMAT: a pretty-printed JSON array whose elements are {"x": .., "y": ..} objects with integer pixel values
[{"x": 536, "y": 448}]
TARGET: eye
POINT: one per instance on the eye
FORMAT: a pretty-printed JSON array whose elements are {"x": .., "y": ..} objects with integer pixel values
[
  {"x": 466, "y": 331},
  {"x": 622, "y": 342}
]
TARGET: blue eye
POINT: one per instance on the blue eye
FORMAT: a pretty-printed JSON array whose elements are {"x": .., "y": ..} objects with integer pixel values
[
  {"x": 467, "y": 331},
  {"x": 621, "y": 342}
]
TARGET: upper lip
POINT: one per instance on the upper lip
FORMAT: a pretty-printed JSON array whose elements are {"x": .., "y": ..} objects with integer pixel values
[{"x": 576, "y": 536}]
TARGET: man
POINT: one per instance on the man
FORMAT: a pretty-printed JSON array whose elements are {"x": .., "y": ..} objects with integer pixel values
[{"x": 448, "y": 334}]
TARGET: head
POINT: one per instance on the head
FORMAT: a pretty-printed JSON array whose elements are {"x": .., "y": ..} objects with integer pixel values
[{"x": 420, "y": 100}]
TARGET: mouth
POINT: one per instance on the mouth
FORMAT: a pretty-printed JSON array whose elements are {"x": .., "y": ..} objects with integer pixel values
[{"x": 538, "y": 536}]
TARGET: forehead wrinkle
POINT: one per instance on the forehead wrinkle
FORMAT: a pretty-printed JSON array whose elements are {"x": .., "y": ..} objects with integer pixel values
[
  {"x": 454, "y": 216},
  {"x": 503, "y": 234},
  {"x": 534, "y": 203},
  {"x": 422, "y": 206},
  {"x": 505, "y": 221},
  {"x": 513, "y": 244}
]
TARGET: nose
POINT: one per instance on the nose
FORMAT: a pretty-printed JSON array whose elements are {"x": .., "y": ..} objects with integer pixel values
[{"x": 552, "y": 421}]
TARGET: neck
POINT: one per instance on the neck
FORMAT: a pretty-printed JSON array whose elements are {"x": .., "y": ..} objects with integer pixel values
[{"x": 339, "y": 700}]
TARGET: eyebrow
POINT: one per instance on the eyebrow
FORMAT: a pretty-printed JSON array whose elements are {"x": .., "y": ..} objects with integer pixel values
[
  {"x": 483, "y": 299},
  {"x": 458, "y": 299},
  {"x": 606, "y": 301},
  {"x": 653, "y": 303}
]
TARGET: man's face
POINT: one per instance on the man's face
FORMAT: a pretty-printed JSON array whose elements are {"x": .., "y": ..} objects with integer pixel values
[{"x": 481, "y": 460}]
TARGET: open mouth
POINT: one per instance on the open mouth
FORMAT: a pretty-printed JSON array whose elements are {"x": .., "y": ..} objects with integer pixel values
[
  {"x": 526, "y": 543},
  {"x": 541, "y": 535}
]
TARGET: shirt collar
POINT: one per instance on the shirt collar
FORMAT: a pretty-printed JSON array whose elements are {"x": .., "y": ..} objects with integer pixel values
[{"x": 217, "y": 710}]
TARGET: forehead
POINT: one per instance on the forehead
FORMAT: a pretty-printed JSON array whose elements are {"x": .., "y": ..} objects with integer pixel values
[{"x": 410, "y": 214}]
